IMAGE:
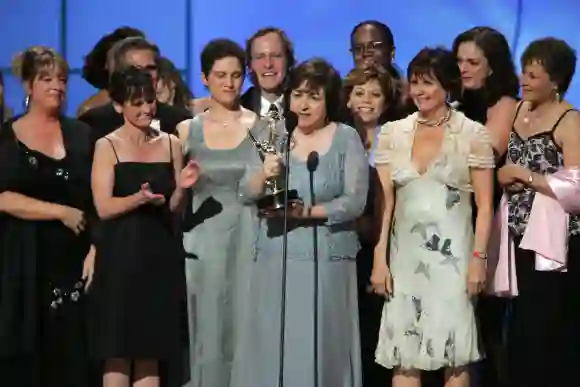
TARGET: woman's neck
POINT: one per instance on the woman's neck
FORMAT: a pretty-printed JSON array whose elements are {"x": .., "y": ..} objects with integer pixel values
[
  {"x": 37, "y": 113},
  {"x": 367, "y": 131},
  {"x": 134, "y": 134},
  {"x": 222, "y": 111},
  {"x": 538, "y": 108},
  {"x": 434, "y": 114},
  {"x": 310, "y": 130}
]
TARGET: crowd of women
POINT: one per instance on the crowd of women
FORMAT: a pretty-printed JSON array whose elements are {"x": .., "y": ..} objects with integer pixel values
[{"x": 434, "y": 242}]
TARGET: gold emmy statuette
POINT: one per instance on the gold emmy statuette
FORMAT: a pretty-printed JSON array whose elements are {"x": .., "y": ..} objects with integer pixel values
[{"x": 273, "y": 203}]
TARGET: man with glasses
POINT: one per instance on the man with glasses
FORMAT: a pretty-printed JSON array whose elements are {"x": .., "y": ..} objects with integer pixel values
[{"x": 136, "y": 52}]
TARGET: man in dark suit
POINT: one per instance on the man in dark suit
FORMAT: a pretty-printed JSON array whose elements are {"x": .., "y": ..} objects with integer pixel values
[
  {"x": 270, "y": 58},
  {"x": 137, "y": 52}
]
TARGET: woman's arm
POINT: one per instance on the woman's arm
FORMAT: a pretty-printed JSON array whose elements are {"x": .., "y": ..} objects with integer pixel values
[
  {"x": 384, "y": 211},
  {"x": 103, "y": 180},
  {"x": 500, "y": 118},
  {"x": 351, "y": 203},
  {"x": 481, "y": 164},
  {"x": 253, "y": 184},
  {"x": 176, "y": 200},
  {"x": 482, "y": 182},
  {"x": 16, "y": 204},
  {"x": 27, "y": 208}
]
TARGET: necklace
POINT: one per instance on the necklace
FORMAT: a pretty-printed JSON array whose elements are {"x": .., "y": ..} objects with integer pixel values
[
  {"x": 435, "y": 123},
  {"x": 226, "y": 123}
]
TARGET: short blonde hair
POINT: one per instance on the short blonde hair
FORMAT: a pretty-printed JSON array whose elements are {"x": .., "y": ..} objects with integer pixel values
[{"x": 36, "y": 60}]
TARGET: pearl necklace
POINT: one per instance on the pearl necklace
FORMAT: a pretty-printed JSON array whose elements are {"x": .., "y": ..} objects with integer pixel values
[{"x": 439, "y": 122}]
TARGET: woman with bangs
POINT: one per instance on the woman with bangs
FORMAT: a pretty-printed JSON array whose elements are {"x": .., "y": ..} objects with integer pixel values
[
  {"x": 372, "y": 99},
  {"x": 46, "y": 258},
  {"x": 138, "y": 181},
  {"x": 429, "y": 165},
  {"x": 322, "y": 346}
]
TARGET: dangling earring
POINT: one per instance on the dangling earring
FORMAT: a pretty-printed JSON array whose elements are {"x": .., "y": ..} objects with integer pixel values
[
  {"x": 558, "y": 96},
  {"x": 26, "y": 102}
]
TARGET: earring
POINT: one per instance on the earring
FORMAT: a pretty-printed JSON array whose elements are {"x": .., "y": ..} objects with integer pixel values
[
  {"x": 26, "y": 101},
  {"x": 558, "y": 96}
]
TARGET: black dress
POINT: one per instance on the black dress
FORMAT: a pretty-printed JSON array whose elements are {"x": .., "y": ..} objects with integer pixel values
[
  {"x": 139, "y": 281},
  {"x": 492, "y": 312},
  {"x": 42, "y": 313}
]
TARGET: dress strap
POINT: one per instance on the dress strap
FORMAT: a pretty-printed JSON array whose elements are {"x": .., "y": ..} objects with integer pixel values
[
  {"x": 170, "y": 149},
  {"x": 517, "y": 113},
  {"x": 113, "y": 146},
  {"x": 560, "y": 119}
]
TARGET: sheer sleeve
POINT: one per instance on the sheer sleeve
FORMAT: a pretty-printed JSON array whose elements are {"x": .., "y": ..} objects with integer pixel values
[
  {"x": 351, "y": 203},
  {"x": 481, "y": 150},
  {"x": 382, "y": 153}
]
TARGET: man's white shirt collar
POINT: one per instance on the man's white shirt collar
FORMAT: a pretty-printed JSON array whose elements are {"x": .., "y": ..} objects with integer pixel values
[{"x": 265, "y": 105}]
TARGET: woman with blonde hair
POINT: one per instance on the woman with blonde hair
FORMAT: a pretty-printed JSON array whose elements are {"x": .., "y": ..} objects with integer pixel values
[{"x": 46, "y": 253}]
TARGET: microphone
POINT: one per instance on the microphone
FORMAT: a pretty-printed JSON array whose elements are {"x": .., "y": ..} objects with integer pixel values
[
  {"x": 312, "y": 161},
  {"x": 290, "y": 123},
  {"x": 312, "y": 164}
]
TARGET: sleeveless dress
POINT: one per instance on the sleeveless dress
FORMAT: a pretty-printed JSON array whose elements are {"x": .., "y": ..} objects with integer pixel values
[
  {"x": 429, "y": 322},
  {"x": 42, "y": 309},
  {"x": 340, "y": 184},
  {"x": 543, "y": 331},
  {"x": 139, "y": 281},
  {"x": 219, "y": 233}
]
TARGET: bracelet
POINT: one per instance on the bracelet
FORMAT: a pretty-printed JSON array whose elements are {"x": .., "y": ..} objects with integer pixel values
[{"x": 479, "y": 255}]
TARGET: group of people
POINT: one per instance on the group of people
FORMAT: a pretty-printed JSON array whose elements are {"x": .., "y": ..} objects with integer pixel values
[{"x": 433, "y": 243}]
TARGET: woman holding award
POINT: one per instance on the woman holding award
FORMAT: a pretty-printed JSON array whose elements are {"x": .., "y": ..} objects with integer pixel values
[
  {"x": 329, "y": 170},
  {"x": 218, "y": 227}
]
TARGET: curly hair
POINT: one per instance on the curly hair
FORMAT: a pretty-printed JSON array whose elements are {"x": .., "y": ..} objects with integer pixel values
[{"x": 95, "y": 66}]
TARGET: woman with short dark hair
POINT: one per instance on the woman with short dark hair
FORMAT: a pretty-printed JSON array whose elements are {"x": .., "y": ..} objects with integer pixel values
[
  {"x": 137, "y": 182},
  {"x": 321, "y": 324},
  {"x": 430, "y": 164},
  {"x": 219, "y": 244},
  {"x": 543, "y": 155}
]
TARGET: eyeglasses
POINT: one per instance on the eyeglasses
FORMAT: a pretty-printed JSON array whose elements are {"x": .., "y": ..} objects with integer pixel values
[{"x": 361, "y": 48}]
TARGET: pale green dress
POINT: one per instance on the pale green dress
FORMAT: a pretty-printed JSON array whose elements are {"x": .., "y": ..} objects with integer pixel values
[{"x": 429, "y": 323}]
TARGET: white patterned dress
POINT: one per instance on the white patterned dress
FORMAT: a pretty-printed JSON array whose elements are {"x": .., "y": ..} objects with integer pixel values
[{"x": 429, "y": 323}]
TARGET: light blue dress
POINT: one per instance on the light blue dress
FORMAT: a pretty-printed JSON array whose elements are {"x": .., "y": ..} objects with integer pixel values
[
  {"x": 219, "y": 243},
  {"x": 340, "y": 184}
]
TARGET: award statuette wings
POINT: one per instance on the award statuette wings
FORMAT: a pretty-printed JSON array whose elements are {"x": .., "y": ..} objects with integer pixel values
[{"x": 274, "y": 141}]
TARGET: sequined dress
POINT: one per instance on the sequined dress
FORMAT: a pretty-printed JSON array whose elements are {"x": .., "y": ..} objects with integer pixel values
[
  {"x": 429, "y": 323},
  {"x": 42, "y": 314}
]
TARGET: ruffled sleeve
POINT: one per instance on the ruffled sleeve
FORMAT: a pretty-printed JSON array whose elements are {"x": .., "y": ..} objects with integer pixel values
[
  {"x": 481, "y": 150},
  {"x": 382, "y": 154}
]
